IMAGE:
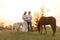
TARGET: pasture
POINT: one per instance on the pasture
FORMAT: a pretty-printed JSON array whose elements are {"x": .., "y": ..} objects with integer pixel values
[{"x": 17, "y": 35}]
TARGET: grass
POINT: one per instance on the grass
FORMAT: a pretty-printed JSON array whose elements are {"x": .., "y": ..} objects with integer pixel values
[{"x": 16, "y": 35}]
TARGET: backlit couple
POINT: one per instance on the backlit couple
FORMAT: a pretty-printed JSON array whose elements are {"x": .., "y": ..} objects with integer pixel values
[{"x": 27, "y": 24}]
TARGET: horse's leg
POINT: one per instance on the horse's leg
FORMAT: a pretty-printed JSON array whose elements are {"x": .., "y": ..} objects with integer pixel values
[
  {"x": 41, "y": 28},
  {"x": 38, "y": 28},
  {"x": 45, "y": 29},
  {"x": 54, "y": 29}
]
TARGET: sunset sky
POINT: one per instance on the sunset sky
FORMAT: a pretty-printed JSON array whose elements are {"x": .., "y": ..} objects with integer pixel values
[{"x": 12, "y": 10}]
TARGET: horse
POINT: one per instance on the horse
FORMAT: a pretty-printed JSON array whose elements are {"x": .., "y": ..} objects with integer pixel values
[
  {"x": 47, "y": 21},
  {"x": 17, "y": 25}
]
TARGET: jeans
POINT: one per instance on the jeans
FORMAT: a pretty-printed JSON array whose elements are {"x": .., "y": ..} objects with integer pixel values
[{"x": 30, "y": 26}]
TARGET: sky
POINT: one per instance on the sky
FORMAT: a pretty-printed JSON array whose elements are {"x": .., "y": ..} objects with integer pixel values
[{"x": 12, "y": 10}]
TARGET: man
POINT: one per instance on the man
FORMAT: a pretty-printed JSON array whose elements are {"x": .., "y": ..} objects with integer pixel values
[{"x": 29, "y": 18}]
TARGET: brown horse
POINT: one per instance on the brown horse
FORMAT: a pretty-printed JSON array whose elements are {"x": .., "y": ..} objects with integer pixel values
[{"x": 47, "y": 21}]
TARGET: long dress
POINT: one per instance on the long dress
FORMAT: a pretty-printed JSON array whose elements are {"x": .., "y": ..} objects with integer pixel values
[{"x": 25, "y": 26}]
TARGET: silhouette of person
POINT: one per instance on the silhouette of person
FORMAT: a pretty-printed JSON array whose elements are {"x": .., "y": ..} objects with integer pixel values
[
  {"x": 29, "y": 18},
  {"x": 25, "y": 26}
]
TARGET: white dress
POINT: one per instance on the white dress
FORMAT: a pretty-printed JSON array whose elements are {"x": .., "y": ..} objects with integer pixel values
[{"x": 25, "y": 26}]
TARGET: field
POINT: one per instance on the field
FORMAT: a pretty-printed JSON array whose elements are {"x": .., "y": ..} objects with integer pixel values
[{"x": 16, "y": 35}]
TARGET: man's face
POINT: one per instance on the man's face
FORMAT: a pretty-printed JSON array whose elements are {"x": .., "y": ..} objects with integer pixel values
[{"x": 29, "y": 13}]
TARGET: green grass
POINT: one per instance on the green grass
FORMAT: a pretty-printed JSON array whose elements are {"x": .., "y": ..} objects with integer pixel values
[{"x": 16, "y": 35}]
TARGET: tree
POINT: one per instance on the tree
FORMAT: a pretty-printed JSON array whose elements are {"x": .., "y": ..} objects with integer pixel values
[
  {"x": 42, "y": 10},
  {"x": 35, "y": 18}
]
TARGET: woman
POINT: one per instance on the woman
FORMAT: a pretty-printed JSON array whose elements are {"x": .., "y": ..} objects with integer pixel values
[{"x": 25, "y": 26}]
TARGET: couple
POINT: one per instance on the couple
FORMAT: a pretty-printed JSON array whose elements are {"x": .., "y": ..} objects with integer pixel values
[{"x": 27, "y": 24}]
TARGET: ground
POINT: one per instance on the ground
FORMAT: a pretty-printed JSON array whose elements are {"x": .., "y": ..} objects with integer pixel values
[{"x": 17, "y": 35}]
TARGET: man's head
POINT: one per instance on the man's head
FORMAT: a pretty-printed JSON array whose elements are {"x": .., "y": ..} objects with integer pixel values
[{"x": 29, "y": 12}]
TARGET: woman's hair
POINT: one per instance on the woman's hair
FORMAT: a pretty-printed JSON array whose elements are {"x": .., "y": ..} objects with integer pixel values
[{"x": 25, "y": 13}]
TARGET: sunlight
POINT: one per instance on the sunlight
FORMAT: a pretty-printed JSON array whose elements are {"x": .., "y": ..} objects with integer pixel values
[
  {"x": 50, "y": 6},
  {"x": 12, "y": 10}
]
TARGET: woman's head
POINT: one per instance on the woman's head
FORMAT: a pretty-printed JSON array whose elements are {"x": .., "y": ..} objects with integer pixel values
[{"x": 25, "y": 13}]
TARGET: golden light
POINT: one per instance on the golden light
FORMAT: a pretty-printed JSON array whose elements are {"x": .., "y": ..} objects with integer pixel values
[
  {"x": 51, "y": 7},
  {"x": 12, "y": 10}
]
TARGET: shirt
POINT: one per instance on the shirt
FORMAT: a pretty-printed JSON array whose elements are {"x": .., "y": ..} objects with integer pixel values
[
  {"x": 24, "y": 17},
  {"x": 29, "y": 17}
]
